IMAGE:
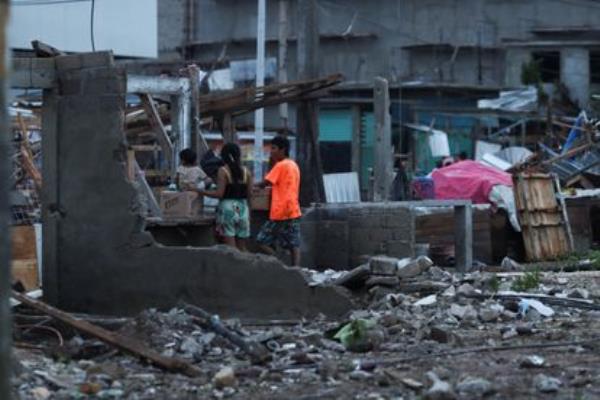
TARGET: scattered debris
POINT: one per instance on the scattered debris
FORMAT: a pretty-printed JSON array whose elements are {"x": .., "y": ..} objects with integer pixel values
[{"x": 547, "y": 384}]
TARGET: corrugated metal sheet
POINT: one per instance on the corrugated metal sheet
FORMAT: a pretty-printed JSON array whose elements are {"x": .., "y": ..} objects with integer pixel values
[
  {"x": 542, "y": 220},
  {"x": 341, "y": 188}
]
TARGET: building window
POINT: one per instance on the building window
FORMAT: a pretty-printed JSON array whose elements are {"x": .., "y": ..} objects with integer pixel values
[
  {"x": 549, "y": 65},
  {"x": 594, "y": 66}
]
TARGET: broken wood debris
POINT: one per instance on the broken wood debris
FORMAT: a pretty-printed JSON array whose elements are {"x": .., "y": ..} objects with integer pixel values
[
  {"x": 114, "y": 339},
  {"x": 257, "y": 352}
]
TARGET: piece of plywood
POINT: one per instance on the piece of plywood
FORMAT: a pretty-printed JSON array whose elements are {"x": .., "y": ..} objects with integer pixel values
[
  {"x": 23, "y": 242},
  {"x": 26, "y": 272},
  {"x": 544, "y": 224}
]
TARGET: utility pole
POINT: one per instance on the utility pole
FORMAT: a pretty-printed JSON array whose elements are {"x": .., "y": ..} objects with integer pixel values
[
  {"x": 5, "y": 319},
  {"x": 309, "y": 158},
  {"x": 259, "y": 115},
  {"x": 282, "y": 56}
]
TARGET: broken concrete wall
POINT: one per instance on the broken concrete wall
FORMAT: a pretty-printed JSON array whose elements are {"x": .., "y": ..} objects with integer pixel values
[
  {"x": 344, "y": 234},
  {"x": 97, "y": 256}
]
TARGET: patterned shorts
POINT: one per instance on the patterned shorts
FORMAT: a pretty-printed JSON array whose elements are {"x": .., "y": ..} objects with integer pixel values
[
  {"x": 233, "y": 218},
  {"x": 285, "y": 234}
]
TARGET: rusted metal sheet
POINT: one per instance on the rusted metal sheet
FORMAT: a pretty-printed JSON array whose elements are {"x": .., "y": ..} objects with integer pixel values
[{"x": 542, "y": 218}]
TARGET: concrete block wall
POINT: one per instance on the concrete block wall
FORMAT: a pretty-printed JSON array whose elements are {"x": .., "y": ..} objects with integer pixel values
[
  {"x": 343, "y": 235},
  {"x": 99, "y": 259}
]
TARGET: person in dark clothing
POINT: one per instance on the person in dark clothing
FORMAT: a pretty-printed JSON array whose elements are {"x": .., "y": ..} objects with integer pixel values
[
  {"x": 400, "y": 183},
  {"x": 234, "y": 186}
]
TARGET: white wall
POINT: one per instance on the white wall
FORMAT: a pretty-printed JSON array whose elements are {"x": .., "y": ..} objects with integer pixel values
[{"x": 128, "y": 27}]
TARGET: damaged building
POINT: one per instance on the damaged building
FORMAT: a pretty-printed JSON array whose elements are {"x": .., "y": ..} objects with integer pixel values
[{"x": 449, "y": 187}]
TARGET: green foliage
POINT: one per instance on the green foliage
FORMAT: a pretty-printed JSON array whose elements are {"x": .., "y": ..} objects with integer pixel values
[
  {"x": 353, "y": 332},
  {"x": 494, "y": 284},
  {"x": 530, "y": 280}
]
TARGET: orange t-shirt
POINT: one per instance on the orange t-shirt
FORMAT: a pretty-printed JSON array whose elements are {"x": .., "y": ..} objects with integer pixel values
[{"x": 285, "y": 178}]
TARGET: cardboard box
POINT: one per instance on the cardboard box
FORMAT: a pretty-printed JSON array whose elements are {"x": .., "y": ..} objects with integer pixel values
[
  {"x": 261, "y": 199},
  {"x": 24, "y": 266},
  {"x": 180, "y": 204}
]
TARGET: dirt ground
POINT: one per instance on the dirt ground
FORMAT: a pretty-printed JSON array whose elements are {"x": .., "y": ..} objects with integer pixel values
[{"x": 450, "y": 346}]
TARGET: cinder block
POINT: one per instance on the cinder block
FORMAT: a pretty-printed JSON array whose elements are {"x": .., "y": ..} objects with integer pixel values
[
  {"x": 400, "y": 248},
  {"x": 380, "y": 235},
  {"x": 383, "y": 265}
]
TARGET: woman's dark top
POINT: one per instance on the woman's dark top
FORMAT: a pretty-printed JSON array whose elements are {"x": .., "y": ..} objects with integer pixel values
[{"x": 236, "y": 190}]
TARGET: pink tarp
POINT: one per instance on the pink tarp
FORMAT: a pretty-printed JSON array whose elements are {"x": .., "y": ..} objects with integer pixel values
[{"x": 468, "y": 180}]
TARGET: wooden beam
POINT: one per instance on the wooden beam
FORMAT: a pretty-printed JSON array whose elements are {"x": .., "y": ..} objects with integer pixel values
[
  {"x": 114, "y": 339},
  {"x": 228, "y": 129}
]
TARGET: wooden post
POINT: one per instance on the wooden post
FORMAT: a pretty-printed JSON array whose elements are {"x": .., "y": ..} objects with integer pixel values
[
  {"x": 282, "y": 56},
  {"x": 5, "y": 318},
  {"x": 228, "y": 129},
  {"x": 309, "y": 157},
  {"x": 383, "y": 141}
]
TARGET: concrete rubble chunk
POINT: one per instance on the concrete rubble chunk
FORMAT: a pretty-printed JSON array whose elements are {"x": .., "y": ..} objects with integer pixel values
[
  {"x": 40, "y": 393},
  {"x": 412, "y": 383},
  {"x": 356, "y": 278},
  {"x": 532, "y": 362},
  {"x": 579, "y": 293},
  {"x": 407, "y": 268},
  {"x": 450, "y": 292},
  {"x": 383, "y": 265},
  {"x": 225, "y": 378},
  {"x": 382, "y": 281},
  {"x": 190, "y": 346},
  {"x": 474, "y": 388},
  {"x": 440, "y": 390},
  {"x": 467, "y": 312},
  {"x": 465, "y": 289},
  {"x": 490, "y": 312},
  {"x": 427, "y": 301},
  {"x": 546, "y": 384}
]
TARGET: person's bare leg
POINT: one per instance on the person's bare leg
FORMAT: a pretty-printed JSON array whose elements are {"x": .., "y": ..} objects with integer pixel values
[
  {"x": 242, "y": 244},
  {"x": 295, "y": 256},
  {"x": 263, "y": 248},
  {"x": 229, "y": 241}
]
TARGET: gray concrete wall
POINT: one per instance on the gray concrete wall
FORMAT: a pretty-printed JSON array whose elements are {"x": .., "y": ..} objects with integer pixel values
[
  {"x": 97, "y": 256},
  {"x": 575, "y": 73},
  {"x": 394, "y": 23},
  {"x": 345, "y": 235}
]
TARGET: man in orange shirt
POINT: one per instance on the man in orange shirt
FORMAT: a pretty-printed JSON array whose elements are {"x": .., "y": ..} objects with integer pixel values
[{"x": 283, "y": 226}]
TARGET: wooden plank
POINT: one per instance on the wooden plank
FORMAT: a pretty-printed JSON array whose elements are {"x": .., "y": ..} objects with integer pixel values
[
  {"x": 544, "y": 225},
  {"x": 112, "y": 338}
]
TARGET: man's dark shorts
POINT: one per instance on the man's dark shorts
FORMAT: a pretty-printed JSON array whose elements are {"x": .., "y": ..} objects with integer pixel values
[{"x": 285, "y": 234}]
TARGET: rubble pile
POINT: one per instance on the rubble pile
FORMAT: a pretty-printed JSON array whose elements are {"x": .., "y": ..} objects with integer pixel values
[{"x": 423, "y": 332}]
